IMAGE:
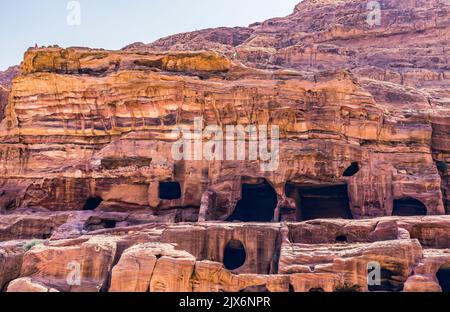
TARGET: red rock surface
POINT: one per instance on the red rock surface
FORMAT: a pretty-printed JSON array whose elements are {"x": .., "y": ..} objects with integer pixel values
[
  {"x": 364, "y": 118},
  {"x": 8, "y": 75},
  {"x": 6, "y": 78}
]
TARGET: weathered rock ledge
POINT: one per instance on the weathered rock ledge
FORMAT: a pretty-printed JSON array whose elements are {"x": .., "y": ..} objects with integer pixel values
[
  {"x": 93, "y": 199},
  {"x": 319, "y": 255}
]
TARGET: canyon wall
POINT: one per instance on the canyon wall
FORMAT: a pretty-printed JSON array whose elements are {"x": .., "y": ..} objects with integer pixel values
[
  {"x": 99, "y": 124},
  {"x": 88, "y": 170}
]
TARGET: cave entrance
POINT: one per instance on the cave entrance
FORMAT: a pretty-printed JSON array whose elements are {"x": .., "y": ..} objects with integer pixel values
[
  {"x": 169, "y": 190},
  {"x": 92, "y": 203},
  {"x": 257, "y": 204},
  {"x": 234, "y": 255},
  {"x": 388, "y": 282},
  {"x": 352, "y": 170},
  {"x": 109, "y": 224},
  {"x": 341, "y": 239},
  {"x": 409, "y": 207},
  {"x": 320, "y": 202},
  {"x": 95, "y": 224},
  {"x": 443, "y": 276}
]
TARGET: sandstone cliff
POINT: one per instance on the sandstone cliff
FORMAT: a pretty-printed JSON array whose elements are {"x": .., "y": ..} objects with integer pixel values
[
  {"x": 6, "y": 78},
  {"x": 364, "y": 116}
]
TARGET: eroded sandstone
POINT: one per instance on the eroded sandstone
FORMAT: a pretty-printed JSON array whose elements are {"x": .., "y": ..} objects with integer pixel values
[{"x": 92, "y": 198}]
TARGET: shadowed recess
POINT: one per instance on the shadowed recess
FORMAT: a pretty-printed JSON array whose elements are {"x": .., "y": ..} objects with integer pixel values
[
  {"x": 258, "y": 203},
  {"x": 409, "y": 207},
  {"x": 352, "y": 170},
  {"x": 388, "y": 282},
  {"x": 443, "y": 276},
  {"x": 341, "y": 239},
  {"x": 234, "y": 255},
  {"x": 92, "y": 203},
  {"x": 320, "y": 202},
  {"x": 169, "y": 190}
]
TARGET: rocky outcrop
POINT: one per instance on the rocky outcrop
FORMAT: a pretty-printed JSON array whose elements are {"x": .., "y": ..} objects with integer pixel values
[
  {"x": 431, "y": 273},
  {"x": 400, "y": 42},
  {"x": 89, "y": 169},
  {"x": 7, "y": 76},
  {"x": 29, "y": 226},
  {"x": 330, "y": 265},
  {"x": 79, "y": 265},
  {"x": 11, "y": 255},
  {"x": 3, "y": 100},
  {"x": 28, "y": 285},
  {"x": 404, "y": 42},
  {"x": 153, "y": 267},
  {"x": 102, "y": 146},
  {"x": 129, "y": 260}
]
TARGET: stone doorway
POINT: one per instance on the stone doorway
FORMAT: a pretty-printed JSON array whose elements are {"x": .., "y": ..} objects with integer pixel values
[
  {"x": 257, "y": 204},
  {"x": 409, "y": 207},
  {"x": 169, "y": 190},
  {"x": 92, "y": 203},
  {"x": 320, "y": 202}
]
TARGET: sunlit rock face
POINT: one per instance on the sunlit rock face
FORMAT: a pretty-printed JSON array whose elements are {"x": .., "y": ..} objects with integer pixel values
[
  {"x": 404, "y": 43},
  {"x": 6, "y": 78},
  {"x": 89, "y": 172},
  {"x": 89, "y": 125}
]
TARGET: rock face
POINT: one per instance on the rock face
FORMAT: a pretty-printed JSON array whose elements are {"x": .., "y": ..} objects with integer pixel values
[
  {"x": 332, "y": 263},
  {"x": 156, "y": 267},
  {"x": 405, "y": 42},
  {"x": 3, "y": 100},
  {"x": 360, "y": 182},
  {"x": 80, "y": 265},
  {"x": 6, "y": 78},
  {"x": 11, "y": 255},
  {"x": 127, "y": 259},
  {"x": 111, "y": 141}
]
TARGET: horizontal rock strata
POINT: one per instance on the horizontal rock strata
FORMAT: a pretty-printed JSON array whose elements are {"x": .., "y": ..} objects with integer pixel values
[{"x": 94, "y": 198}]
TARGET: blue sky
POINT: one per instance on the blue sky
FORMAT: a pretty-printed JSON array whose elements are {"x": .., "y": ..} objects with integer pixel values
[{"x": 112, "y": 24}]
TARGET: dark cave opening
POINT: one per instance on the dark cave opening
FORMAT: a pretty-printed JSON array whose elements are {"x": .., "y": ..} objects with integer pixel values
[
  {"x": 169, "y": 190},
  {"x": 316, "y": 290},
  {"x": 234, "y": 255},
  {"x": 388, "y": 283},
  {"x": 320, "y": 202},
  {"x": 95, "y": 224},
  {"x": 443, "y": 276},
  {"x": 351, "y": 170},
  {"x": 257, "y": 204},
  {"x": 409, "y": 207},
  {"x": 341, "y": 239},
  {"x": 92, "y": 203},
  {"x": 109, "y": 224}
]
